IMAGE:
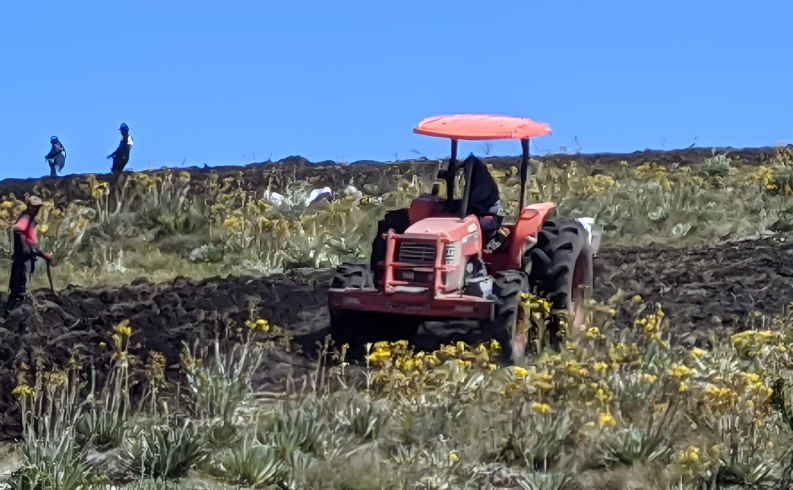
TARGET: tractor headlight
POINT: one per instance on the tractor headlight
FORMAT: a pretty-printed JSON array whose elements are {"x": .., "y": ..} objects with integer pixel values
[{"x": 452, "y": 254}]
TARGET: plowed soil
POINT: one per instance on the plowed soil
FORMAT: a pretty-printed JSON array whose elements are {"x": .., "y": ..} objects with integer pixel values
[{"x": 703, "y": 291}]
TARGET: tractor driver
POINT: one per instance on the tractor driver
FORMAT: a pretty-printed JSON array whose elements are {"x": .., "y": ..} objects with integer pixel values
[{"x": 483, "y": 201}]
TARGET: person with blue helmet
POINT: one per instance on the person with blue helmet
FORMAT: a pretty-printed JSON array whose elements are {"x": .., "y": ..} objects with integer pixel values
[
  {"x": 56, "y": 157},
  {"x": 121, "y": 155}
]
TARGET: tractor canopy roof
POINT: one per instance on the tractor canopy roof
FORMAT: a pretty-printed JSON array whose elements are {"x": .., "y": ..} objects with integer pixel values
[{"x": 482, "y": 127}]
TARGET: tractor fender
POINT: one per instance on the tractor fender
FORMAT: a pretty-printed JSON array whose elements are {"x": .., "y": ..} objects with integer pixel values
[{"x": 529, "y": 223}]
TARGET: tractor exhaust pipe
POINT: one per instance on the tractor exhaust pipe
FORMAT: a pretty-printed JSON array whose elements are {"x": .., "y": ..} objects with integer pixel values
[{"x": 524, "y": 174}]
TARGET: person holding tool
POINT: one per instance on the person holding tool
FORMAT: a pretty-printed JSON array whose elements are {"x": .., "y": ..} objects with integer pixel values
[{"x": 25, "y": 255}]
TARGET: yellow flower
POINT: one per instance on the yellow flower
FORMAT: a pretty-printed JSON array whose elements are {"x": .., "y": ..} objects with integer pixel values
[
  {"x": 260, "y": 324},
  {"x": 698, "y": 352},
  {"x": 123, "y": 329},
  {"x": 712, "y": 390},
  {"x": 604, "y": 396},
  {"x": 601, "y": 366},
  {"x": 681, "y": 371},
  {"x": 492, "y": 367},
  {"x": 593, "y": 332},
  {"x": 606, "y": 419},
  {"x": 648, "y": 378},
  {"x": 494, "y": 345},
  {"x": 23, "y": 391},
  {"x": 541, "y": 408},
  {"x": 691, "y": 455},
  {"x": 520, "y": 372},
  {"x": 230, "y": 223},
  {"x": 742, "y": 338},
  {"x": 683, "y": 388},
  {"x": 7, "y": 205},
  {"x": 453, "y": 457},
  {"x": 637, "y": 299}
]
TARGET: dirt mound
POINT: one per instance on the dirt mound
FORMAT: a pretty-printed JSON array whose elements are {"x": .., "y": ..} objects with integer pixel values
[
  {"x": 700, "y": 289},
  {"x": 371, "y": 177},
  {"x": 76, "y": 321}
]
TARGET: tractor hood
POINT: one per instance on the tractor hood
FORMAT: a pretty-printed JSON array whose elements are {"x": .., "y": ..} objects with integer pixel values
[{"x": 454, "y": 229}]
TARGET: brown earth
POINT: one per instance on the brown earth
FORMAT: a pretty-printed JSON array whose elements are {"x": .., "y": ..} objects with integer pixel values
[
  {"x": 374, "y": 178},
  {"x": 703, "y": 291}
]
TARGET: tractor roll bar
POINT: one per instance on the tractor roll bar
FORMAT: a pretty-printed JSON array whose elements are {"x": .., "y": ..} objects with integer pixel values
[
  {"x": 524, "y": 173},
  {"x": 451, "y": 175}
]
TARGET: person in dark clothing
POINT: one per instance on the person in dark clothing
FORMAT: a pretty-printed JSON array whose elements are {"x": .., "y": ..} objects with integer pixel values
[
  {"x": 25, "y": 254},
  {"x": 483, "y": 198},
  {"x": 121, "y": 155},
  {"x": 56, "y": 157}
]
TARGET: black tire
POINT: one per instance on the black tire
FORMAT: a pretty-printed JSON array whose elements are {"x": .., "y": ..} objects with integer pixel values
[
  {"x": 346, "y": 324},
  {"x": 507, "y": 288},
  {"x": 357, "y": 328},
  {"x": 560, "y": 264},
  {"x": 346, "y": 327},
  {"x": 397, "y": 220}
]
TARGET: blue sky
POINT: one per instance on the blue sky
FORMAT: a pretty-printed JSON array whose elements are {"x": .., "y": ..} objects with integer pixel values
[{"x": 226, "y": 82}]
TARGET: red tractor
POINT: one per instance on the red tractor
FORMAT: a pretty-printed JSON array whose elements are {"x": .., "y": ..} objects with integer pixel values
[{"x": 433, "y": 277}]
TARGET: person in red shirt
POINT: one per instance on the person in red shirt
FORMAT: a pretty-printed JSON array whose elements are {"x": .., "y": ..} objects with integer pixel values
[{"x": 26, "y": 253}]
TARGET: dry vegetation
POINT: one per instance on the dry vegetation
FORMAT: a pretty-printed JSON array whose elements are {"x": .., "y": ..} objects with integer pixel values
[
  {"x": 156, "y": 226},
  {"x": 614, "y": 409}
]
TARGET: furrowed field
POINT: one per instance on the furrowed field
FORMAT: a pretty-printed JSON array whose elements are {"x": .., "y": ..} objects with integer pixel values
[{"x": 186, "y": 346}]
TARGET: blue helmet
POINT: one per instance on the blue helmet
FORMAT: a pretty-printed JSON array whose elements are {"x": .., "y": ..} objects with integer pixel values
[
  {"x": 124, "y": 127},
  {"x": 53, "y": 139}
]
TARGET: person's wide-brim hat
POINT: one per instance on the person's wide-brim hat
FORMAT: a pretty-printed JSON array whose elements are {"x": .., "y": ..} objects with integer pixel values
[{"x": 34, "y": 201}]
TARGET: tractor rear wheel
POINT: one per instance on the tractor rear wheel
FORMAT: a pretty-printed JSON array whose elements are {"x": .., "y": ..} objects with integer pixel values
[{"x": 560, "y": 265}]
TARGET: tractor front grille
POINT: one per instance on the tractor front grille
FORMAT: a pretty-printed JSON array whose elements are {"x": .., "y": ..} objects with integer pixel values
[{"x": 417, "y": 253}]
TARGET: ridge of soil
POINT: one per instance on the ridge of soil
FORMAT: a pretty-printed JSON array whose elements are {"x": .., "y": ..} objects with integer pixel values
[
  {"x": 702, "y": 290},
  {"x": 374, "y": 178}
]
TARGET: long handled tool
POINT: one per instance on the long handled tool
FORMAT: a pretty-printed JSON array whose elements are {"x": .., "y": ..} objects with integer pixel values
[{"x": 49, "y": 276}]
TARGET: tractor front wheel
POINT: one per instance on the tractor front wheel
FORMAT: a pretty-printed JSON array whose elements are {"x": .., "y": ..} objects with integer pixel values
[{"x": 506, "y": 327}]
